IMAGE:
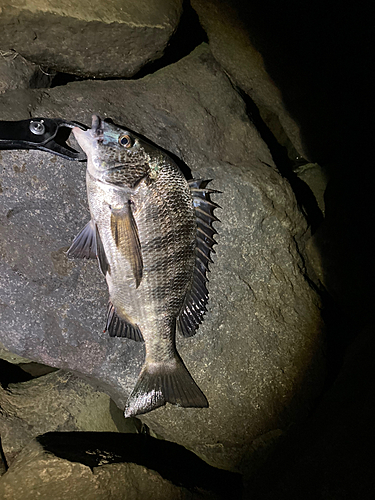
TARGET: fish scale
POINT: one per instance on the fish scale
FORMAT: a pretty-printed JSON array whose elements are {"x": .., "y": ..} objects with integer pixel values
[{"x": 152, "y": 234}]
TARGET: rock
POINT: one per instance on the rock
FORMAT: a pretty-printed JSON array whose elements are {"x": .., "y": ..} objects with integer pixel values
[
  {"x": 57, "y": 401},
  {"x": 39, "y": 474},
  {"x": 11, "y": 357},
  {"x": 232, "y": 47},
  {"x": 258, "y": 355},
  {"x": 90, "y": 39},
  {"x": 17, "y": 104},
  {"x": 16, "y": 72}
]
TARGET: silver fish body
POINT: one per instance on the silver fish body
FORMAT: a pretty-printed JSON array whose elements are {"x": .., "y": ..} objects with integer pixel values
[{"x": 144, "y": 231}]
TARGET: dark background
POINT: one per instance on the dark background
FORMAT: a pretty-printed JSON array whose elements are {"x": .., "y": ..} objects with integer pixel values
[{"x": 321, "y": 56}]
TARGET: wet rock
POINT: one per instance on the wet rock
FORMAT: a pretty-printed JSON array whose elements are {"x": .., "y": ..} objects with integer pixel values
[
  {"x": 16, "y": 72},
  {"x": 39, "y": 474},
  {"x": 57, "y": 401},
  {"x": 258, "y": 355},
  {"x": 91, "y": 38},
  {"x": 232, "y": 46}
]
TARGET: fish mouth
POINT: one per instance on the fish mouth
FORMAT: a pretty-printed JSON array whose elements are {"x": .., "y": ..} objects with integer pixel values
[{"x": 90, "y": 138}]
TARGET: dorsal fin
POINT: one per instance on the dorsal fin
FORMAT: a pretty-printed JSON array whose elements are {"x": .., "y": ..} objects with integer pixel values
[{"x": 197, "y": 297}]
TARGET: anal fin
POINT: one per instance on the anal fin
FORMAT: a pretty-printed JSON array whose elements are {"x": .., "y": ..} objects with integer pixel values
[
  {"x": 121, "y": 327},
  {"x": 161, "y": 383}
]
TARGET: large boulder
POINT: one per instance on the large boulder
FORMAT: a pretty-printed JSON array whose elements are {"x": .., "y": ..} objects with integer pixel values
[
  {"x": 114, "y": 38},
  {"x": 258, "y": 355},
  {"x": 59, "y": 401}
]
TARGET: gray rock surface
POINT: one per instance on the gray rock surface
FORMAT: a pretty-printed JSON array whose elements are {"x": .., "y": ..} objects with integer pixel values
[
  {"x": 38, "y": 474},
  {"x": 89, "y": 38},
  {"x": 59, "y": 401},
  {"x": 258, "y": 355},
  {"x": 233, "y": 48},
  {"x": 16, "y": 72}
]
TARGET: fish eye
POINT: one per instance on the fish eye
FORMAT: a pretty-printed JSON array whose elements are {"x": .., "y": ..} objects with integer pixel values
[{"x": 126, "y": 141}]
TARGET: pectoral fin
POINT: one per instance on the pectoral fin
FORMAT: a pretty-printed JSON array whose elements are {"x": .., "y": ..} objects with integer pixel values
[
  {"x": 88, "y": 245},
  {"x": 100, "y": 253},
  {"x": 84, "y": 244},
  {"x": 125, "y": 234}
]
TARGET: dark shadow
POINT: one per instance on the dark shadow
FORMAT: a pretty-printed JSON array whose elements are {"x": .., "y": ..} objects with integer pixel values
[
  {"x": 3, "y": 457},
  {"x": 12, "y": 374},
  {"x": 331, "y": 454},
  {"x": 172, "y": 461},
  {"x": 321, "y": 56},
  {"x": 64, "y": 78}
]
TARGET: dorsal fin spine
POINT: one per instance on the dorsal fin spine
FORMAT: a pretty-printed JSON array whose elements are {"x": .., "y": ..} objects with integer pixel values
[
  {"x": 206, "y": 214},
  {"x": 205, "y": 244},
  {"x": 203, "y": 223},
  {"x": 200, "y": 230}
]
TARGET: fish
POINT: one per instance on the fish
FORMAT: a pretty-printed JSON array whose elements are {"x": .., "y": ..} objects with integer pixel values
[{"x": 151, "y": 231}]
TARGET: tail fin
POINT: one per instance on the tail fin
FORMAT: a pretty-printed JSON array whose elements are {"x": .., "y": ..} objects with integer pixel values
[{"x": 159, "y": 383}]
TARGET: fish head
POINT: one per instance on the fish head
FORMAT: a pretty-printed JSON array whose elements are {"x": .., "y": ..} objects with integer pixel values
[{"x": 115, "y": 154}]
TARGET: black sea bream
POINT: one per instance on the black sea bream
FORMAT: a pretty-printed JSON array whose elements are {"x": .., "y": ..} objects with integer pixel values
[{"x": 151, "y": 231}]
